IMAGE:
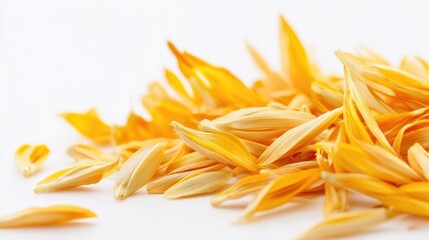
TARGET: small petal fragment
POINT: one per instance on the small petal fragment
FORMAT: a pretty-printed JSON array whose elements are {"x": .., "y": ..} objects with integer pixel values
[
  {"x": 138, "y": 170},
  {"x": 29, "y": 159},
  {"x": 45, "y": 216}
]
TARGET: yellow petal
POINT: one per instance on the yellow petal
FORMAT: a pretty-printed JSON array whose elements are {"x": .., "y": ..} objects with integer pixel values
[
  {"x": 419, "y": 190},
  {"x": 298, "y": 137},
  {"x": 408, "y": 135},
  {"x": 260, "y": 123},
  {"x": 177, "y": 150},
  {"x": 244, "y": 186},
  {"x": 360, "y": 182},
  {"x": 416, "y": 66},
  {"x": 75, "y": 177},
  {"x": 85, "y": 152},
  {"x": 138, "y": 170},
  {"x": 370, "y": 56},
  {"x": 295, "y": 64},
  {"x": 354, "y": 128},
  {"x": 189, "y": 162},
  {"x": 280, "y": 191},
  {"x": 345, "y": 224},
  {"x": 199, "y": 183},
  {"x": 163, "y": 183},
  {"x": 336, "y": 200},
  {"x": 175, "y": 83},
  {"x": 275, "y": 81},
  {"x": 44, "y": 216},
  {"x": 90, "y": 125},
  {"x": 374, "y": 161},
  {"x": 419, "y": 160},
  {"x": 224, "y": 148},
  {"x": 406, "y": 204},
  {"x": 136, "y": 129},
  {"x": 355, "y": 66},
  {"x": 29, "y": 159}
]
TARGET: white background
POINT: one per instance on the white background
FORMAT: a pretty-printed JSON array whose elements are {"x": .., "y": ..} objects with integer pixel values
[{"x": 61, "y": 56}]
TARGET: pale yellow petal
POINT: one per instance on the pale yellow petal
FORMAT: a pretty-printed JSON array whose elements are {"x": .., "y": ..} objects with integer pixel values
[
  {"x": 418, "y": 158},
  {"x": 85, "y": 152},
  {"x": 44, "y": 216},
  {"x": 199, "y": 183},
  {"x": 224, "y": 148},
  {"x": 138, "y": 170},
  {"x": 75, "y": 177},
  {"x": 345, "y": 224},
  {"x": 297, "y": 137},
  {"x": 163, "y": 183}
]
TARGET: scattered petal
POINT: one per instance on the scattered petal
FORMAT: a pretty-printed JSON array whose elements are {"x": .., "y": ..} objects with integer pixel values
[
  {"x": 44, "y": 216},
  {"x": 29, "y": 158}
]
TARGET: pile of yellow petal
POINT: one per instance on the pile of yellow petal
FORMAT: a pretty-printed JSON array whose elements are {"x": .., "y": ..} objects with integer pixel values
[{"x": 295, "y": 132}]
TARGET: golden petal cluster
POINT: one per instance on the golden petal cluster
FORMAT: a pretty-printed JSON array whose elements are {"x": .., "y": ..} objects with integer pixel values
[{"x": 296, "y": 133}]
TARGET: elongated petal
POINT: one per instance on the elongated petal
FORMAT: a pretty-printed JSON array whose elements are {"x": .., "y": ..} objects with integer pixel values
[
  {"x": 344, "y": 224},
  {"x": 336, "y": 200},
  {"x": 297, "y": 137},
  {"x": 260, "y": 123},
  {"x": 29, "y": 159},
  {"x": 354, "y": 128},
  {"x": 406, "y": 204},
  {"x": 163, "y": 183},
  {"x": 189, "y": 162},
  {"x": 419, "y": 190},
  {"x": 128, "y": 149},
  {"x": 275, "y": 81},
  {"x": 75, "y": 177},
  {"x": 224, "y": 148},
  {"x": 295, "y": 64},
  {"x": 199, "y": 183},
  {"x": 280, "y": 191},
  {"x": 90, "y": 125},
  {"x": 419, "y": 160},
  {"x": 138, "y": 170},
  {"x": 43, "y": 216},
  {"x": 374, "y": 161},
  {"x": 361, "y": 183},
  {"x": 85, "y": 152},
  {"x": 246, "y": 185}
]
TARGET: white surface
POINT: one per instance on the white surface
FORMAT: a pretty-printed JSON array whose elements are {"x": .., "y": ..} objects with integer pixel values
[{"x": 61, "y": 56}]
